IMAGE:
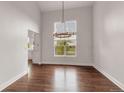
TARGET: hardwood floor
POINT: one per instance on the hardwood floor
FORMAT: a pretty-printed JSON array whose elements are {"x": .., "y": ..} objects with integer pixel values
[{"x": 59, "y": 78}]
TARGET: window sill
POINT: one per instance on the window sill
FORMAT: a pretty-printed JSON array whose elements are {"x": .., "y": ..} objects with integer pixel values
[{"x": 64, "y": 55}]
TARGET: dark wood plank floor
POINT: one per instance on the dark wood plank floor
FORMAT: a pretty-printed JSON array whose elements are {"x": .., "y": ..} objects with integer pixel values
[{"x": 52, "y": 78}]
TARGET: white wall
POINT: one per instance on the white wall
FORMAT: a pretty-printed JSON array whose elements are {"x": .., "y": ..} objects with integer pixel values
[
  {"x": 84, "y": 29},
  {"x": 14, "y": 25},
  {"x": 31, "y": 9},
  {"x": 109, "y": 39}
]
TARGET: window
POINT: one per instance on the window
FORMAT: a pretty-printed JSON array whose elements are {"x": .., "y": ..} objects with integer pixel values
[{"x": 65, "y": 46}]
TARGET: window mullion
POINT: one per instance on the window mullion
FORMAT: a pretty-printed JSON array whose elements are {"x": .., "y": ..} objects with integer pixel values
[{"x": 64, "y": 50}]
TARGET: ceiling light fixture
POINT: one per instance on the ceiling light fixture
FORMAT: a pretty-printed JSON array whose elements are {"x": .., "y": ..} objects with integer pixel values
[{"x": 65, "y": 33}]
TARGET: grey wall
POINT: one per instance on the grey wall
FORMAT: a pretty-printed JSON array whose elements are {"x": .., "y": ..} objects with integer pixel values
[
  {"x": 109, "y": 39},
  {"x": 14, "y": 25},
  {"x": 84, "y": 39}
]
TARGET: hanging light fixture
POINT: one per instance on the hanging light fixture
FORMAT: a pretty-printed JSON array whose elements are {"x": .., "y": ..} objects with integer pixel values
[{"x": 65, "y": 33}]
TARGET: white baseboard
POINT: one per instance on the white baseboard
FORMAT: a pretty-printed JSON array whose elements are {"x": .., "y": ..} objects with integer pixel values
[
  {"x": 39, "y": 63},
  {"x": 6, "y": 84},
  {"x": 111, "y": 78},
  {"x": 68, "y": 63}
]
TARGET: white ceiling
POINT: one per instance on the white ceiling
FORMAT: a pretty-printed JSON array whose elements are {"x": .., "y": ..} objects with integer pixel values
[{"x": 57, "y": 5}]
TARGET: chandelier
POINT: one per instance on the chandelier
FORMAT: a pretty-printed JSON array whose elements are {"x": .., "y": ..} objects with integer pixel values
[{"x": 65, "y": 33}]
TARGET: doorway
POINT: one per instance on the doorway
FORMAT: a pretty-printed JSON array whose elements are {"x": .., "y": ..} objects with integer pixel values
[{"x": 33, "y": 49}]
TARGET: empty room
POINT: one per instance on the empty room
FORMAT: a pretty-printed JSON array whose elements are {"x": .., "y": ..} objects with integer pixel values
[{"x": 62, "y": 46}]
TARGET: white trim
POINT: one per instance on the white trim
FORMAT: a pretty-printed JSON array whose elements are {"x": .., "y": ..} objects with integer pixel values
[
  {"x": 65, "y": 56},
  {"x": 6, "y": 84},
  {"x": 37, "y": 62},
  {"x": 67, "y": 63},
  {"x": 111, "y": 78}
]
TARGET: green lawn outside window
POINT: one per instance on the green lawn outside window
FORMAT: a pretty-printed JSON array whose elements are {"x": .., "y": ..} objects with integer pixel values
[{"x": 63, "y": 48}]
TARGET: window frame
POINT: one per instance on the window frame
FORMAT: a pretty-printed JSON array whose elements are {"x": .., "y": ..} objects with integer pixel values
[{"x": 65, "y": 39}]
